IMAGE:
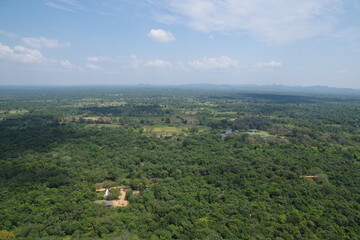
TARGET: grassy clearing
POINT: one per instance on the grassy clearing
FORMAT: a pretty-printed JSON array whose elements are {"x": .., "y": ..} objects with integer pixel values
[
  {"x": 209, "y": 104},
  {"x": 257, "y": 132},
  {"x": 254, "y": 132},
  {"x": 191, "y": 112},
  {"x": 166, "y": 130},
  {"x": 99, "y": 125},
  {"x": 105, "y": 184},
  {"x": 226, "y": 114},
  {"x": 112, "y": 104},
  {"x": 97, "y": 102},
  {"x": 14, "y": 111},
  {"x": 262, "y": 133}
]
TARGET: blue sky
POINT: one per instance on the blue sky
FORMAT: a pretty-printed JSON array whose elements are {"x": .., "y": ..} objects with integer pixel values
[{"x": 127, "y": 42}]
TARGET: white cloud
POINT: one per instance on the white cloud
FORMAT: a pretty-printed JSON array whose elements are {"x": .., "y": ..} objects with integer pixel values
[
  {"x": 277, "y": 21},
  {"x": 269, "y": 64},
  {"x": 5, "y": 51},
  {"x": 181, "y": 65},
  {"x": 30, "y": 56},
  {"x": 70, "y": 2},
  {"x": 93, "y": 59},
  {"x": 66, "y": 5},
  {"x": 21, "y": 54},
  {"x": 8, "y": 34},
  {"x": 98, "y": 59},
  {"x": 51, "y": 64},
  {"x": 132, "y": 62},
  {"x": 92, "y": 66},
  {"x": 67, "y": 64},
  {"x": 161, "y": 35},
  {"x": 56, "y": 5},
  {"x": 41, "y": 42},
  {"x": 222, "y": 62},
  {"x": 158, "y": 63}
]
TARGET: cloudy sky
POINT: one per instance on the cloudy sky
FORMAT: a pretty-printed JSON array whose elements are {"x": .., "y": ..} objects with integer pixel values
[{"x": 78, "y": 42}]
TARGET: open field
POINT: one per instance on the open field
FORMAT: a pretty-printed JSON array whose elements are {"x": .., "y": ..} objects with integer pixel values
[
  {"x": 14, "y": 111},
  {"x": 166, "y": 130}
]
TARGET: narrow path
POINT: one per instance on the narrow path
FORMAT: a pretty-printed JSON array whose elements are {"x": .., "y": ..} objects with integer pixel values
[{"x": 121, "y": 202}]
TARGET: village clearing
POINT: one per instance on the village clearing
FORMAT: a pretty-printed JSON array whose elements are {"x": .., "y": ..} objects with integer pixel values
[{"x": 121, "y": 202}]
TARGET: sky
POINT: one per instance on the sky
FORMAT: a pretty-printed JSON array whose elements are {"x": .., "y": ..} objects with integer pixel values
[{"x": 171, "y": 42}]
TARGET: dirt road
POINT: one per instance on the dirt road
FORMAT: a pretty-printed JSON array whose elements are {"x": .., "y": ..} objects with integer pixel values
[{"x": 121, "y": 202}]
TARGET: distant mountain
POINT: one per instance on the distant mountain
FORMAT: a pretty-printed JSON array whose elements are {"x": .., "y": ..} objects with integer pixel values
[
  {"x": 277, "y": 88},
  {"x": 205, "y": 86}
]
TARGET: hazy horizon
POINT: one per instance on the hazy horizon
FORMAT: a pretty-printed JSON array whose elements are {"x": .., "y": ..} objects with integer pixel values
[
  {"x": 172, "y": 85},
  {"x": 169, "y": 43}
]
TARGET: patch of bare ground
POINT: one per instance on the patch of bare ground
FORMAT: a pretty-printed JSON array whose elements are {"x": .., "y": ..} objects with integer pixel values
[{"x": 121, "y": 201}]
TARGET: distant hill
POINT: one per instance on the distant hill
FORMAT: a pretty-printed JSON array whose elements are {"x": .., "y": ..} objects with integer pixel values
[
  {"x": 277, "y": 88},
  {"x": 205, "y": 86}
]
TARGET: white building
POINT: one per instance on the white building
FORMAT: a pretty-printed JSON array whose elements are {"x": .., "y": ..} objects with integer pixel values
[{"x": 107, "y": 192}]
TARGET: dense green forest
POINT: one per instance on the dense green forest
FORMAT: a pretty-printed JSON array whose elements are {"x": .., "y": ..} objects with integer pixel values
[{"x": 197, "y": 164}]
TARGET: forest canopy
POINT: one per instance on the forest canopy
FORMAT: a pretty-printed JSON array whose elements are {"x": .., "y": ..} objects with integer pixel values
[{"x": 193, "y": 164}]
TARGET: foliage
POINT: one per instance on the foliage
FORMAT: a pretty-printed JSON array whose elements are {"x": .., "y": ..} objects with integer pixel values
[
  {"x": 300, "y": 180},
  {"x": 6, "y": 235}
]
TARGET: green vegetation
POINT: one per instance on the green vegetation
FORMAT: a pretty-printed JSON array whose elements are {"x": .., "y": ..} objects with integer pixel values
[{"x": 288, "y": 170}]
